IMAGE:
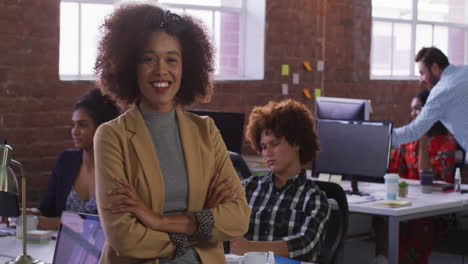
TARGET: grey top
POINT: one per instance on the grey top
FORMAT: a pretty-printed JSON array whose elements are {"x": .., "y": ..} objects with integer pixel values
[{"x": 164, "y": 131}]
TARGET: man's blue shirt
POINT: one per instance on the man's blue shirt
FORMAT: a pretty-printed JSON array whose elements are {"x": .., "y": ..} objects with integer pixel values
[{"x": 447, "y": 102}]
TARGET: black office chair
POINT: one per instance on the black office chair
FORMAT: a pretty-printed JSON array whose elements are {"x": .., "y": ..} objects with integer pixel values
[
  {"x": 337, "y": 223},
  {"x": 460, "y": 155},
  {"x": 240, "y": 165}
]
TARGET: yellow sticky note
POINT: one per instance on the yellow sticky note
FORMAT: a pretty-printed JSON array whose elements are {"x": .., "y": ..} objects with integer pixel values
[
  {"x": 306, "y": 93},
  {"x": 318, "y": 92},
  {"x": 307, "y": 65},
  {"x": 336, "y": 178},
  {"x": 285, "y": 69},
  {"x": 324, "y": 177}
]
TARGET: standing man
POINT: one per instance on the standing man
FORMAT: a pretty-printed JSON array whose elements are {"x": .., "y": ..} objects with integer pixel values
[{"x": 447, "y": 102}]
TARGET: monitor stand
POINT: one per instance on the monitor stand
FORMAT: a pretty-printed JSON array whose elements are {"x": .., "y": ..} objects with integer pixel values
[{"x": 355, "y": 189}]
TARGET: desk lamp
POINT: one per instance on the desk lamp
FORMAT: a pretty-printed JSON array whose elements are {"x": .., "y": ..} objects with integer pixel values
[{"x": 8, "y": 195}]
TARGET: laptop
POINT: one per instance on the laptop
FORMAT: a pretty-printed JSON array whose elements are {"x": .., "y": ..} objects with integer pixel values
[{"x": 80, "y": 239}]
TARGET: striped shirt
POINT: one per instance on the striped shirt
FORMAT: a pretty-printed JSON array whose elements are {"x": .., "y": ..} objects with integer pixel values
[
  {"x": 297, "y": 213},
  {"x": 447, "y": 102}
]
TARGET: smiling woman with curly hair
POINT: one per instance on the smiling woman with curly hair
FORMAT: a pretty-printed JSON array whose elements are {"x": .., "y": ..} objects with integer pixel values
[
  {"x": 166, "y": 188},
  {"x": 121, "y": 51}
]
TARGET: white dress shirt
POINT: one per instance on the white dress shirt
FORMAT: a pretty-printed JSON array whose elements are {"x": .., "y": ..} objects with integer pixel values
[{"x": 447, "y": 102}]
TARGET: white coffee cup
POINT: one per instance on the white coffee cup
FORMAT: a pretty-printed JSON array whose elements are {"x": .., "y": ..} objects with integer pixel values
[
  {"x": 391, "y": 185},
  {"x": 255, "y": 258},
  {"x": 32, "y": 223}
]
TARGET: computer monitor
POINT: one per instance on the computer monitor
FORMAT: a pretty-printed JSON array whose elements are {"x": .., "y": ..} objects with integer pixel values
[
  {"x": 359, "y": 150},
  {"x": 342, "y": 108},
  {"x": 230, "y": 125},
  {"x": 80, "y": 239}
]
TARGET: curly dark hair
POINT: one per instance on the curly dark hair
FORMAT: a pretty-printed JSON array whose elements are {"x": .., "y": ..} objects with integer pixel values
[
  {"x": 120, "y": 50},
  {"x": 101, "y": 108},
  {"x": 289, "y": 119},
  {"x": 430, "y": 55},
  {"x": 438, "y": 127}
]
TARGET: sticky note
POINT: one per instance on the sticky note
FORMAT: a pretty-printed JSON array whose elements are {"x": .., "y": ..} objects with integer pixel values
[
  {"x": 306, "y": 93},
  {"x": 324, "y": 177},
  {"x": 285, "y": 69},
  {"x": 295, "y": 78},
  {"x": 336, "y": 178},
  {"x": 284, "y": 89},
  {"x": 320, "y": 65},
  {"x": 307, "y": 65},
  {"x": 318, "y": 92}
]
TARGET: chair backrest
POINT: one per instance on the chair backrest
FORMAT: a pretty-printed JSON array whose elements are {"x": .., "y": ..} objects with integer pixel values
[
  {"x": 460, "y": 154},
  {"x": 240, "y": 165},
  {"x": 337, "y": 223}
]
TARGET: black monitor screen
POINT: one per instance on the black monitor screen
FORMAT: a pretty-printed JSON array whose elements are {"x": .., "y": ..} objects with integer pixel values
[
  {"x": 230, "y": 125},
  {"x": 340, "y": 108},
  {"x": 353, "y": 148}
]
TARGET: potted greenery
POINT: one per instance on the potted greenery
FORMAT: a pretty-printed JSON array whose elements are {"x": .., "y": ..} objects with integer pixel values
[{"x": 402, "y": 189}]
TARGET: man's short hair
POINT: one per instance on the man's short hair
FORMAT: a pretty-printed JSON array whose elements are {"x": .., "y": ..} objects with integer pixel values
[{"x": 432, "y": 55}]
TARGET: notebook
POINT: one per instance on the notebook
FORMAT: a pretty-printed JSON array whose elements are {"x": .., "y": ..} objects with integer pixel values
[
  {"x": 80, "y": 239},
  {"x": 393, "y": 204}
]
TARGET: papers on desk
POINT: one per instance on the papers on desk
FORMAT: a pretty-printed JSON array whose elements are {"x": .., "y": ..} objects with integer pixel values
[
  {"x": 356, "y": 199},
  {"x": 4, "y": 231},
  {"x": 393, "y": 204},
  {"x": 236, "y": 259}
]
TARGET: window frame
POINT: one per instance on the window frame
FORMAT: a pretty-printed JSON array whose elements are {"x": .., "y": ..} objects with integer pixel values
[
  {"x": 414, "y": 22},
  {"x": 251, "y": 55}
]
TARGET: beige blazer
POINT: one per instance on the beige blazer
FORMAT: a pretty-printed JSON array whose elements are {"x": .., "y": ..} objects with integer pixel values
[{"x": 123, "y": 148}]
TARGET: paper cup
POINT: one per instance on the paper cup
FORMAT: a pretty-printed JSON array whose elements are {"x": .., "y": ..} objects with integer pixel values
[
  {"x": 391, "y": 185},
  {"x": 255, "y": 258},
  {"x": 32, "y": 223},
  {"x": 426, "y": 177}
]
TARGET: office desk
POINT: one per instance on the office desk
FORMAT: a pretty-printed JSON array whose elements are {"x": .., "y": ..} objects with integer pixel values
[
  {"x": 423, "y": 205},
  {"x": 11, "y": 247}
]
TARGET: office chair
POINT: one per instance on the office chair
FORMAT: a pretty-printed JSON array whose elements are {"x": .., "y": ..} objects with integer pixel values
[
  {"x": 460, "y": 155},
  {"x": 244, "y": 172},
  {"x": 337, "y": 223},
  {"x": 240, "y": 165}
]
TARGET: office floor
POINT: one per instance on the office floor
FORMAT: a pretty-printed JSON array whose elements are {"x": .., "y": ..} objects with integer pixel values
[{"x": 362, "y": 251}]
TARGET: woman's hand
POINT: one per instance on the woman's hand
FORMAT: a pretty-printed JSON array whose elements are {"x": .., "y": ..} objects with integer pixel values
[
  {"x": 424, "y": 162},
  {"x": 218, "y": 194},
  {"x": 31, "y": 211},
  {"x": 133, "y": 204},
  {"x": 239, "y": 246},
  {"x": 48, "y": 223}
]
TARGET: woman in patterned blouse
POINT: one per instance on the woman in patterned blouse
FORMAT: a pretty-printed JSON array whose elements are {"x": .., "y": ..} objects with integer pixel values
[
  {"x": 416, "y": 236},
  {"x": 404, "y": 158},
  {"x": 71, "y": 186}
]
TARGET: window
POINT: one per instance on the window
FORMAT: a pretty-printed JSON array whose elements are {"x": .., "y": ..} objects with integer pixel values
[
  {"x": 239, "y": 48},
  {"x": 400, "y": 28}
]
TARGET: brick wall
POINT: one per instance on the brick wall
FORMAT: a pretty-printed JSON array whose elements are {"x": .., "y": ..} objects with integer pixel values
[{"x": 35, "y": 106}]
